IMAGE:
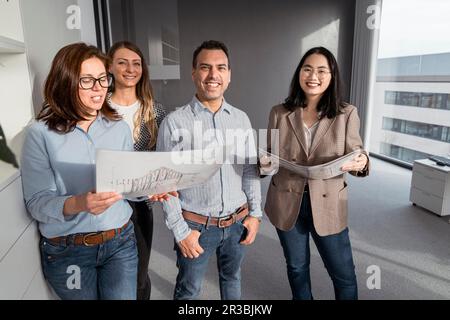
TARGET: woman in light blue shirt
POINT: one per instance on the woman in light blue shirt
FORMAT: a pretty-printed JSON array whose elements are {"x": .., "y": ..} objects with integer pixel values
[{"x": 88, "y": 245}]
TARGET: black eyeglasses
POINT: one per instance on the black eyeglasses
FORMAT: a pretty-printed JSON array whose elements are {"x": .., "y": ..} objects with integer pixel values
[{"x": 87, "y": 83}]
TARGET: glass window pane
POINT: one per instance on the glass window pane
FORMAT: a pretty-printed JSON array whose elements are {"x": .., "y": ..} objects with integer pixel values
[
  {"x": 415, "y": 97},
  {"x": 439, "y": 98},
  {"x": 390, "y": 97},
  {"x": 427, "y": 100},
  {"x": 388, "y": 123}
]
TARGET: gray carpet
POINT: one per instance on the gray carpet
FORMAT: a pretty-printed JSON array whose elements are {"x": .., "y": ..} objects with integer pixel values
[{"x": 409, "y": 245}]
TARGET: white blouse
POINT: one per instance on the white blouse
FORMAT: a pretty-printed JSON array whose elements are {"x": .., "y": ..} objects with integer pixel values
[
  {"x": 310, "y": 133},
  {"x": 127, "y": 112}
]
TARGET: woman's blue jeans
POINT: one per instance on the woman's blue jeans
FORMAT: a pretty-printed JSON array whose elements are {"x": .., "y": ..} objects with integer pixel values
[
  {"x": 107, "y": 271},
  {"x": 335, "y": 251}
]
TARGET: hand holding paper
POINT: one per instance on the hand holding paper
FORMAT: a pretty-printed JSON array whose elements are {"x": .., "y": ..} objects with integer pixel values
[
  {"x": 357, "y": 164},
  {"x": 327, "y": 170},
  {"x": 163, "y": 196},
  {"x": 268, "y": 165}
]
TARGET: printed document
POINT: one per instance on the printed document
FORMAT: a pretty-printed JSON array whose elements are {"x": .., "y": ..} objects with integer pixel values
[
  {"x": 322, "y": 171},
  {"x": 135, "y": 174}
]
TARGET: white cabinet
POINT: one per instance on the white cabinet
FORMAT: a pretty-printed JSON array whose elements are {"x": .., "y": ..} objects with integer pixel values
[
  {"x": 430, "y": 186},
  {"x": 20, "y": 265},
  {"x": 14, "y": 216}
]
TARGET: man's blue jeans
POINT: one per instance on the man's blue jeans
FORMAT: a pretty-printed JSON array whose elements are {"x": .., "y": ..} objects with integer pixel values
[
  {"x": 230, "y": 253},
  {"x": 335, "y": 251},
  {"x": 107, "y": 271}
]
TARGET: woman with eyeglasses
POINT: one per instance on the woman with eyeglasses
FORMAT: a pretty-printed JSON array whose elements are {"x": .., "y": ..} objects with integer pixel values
[
  {"x": 315, "y": 126},
  {"x": 88, "y": 245},
  {"x": 131, "y": 95}
]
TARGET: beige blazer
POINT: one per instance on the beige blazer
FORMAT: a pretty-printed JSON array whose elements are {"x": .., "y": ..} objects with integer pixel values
[{"x": 334, "y": 138}]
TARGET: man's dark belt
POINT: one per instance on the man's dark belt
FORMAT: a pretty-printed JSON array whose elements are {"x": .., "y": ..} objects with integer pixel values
[
  {"x": 88, "y": 239},
  {"x": 223, "y": 222}
]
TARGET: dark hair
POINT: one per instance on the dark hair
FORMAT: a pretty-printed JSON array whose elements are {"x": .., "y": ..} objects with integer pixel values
[
  {"x": 210, "y": 45},
  {"x": 62, "y": 108},
  {"x": 144, "y": 93},
  {"x": 330, "y": 104}
]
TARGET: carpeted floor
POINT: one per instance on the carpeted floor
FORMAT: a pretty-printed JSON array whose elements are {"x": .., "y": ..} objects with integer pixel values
[{"x": 408, "y": 245}]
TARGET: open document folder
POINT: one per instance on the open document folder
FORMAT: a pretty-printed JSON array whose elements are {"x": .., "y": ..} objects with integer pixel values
[
  {"x": 135, "y": 174},
  {"x": 322, "y": 171}
]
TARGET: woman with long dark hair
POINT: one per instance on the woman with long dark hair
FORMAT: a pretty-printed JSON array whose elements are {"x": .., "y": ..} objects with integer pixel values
[{"x": 315, "y": 126}]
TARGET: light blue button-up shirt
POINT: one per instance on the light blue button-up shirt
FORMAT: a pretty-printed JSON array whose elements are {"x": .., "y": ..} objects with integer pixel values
[
  {"x": 56, "y": 166},
  {"x": 190, "y": 127}
]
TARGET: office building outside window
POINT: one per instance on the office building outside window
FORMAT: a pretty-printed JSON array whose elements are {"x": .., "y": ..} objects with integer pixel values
[{"x": 411, "y": 98}]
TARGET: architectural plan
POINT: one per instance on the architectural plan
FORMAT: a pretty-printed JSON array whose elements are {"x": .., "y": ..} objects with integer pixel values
[{"x": 135, "y": 174}]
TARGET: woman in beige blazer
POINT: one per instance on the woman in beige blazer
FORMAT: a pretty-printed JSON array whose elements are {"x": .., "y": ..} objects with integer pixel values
[{"x": 315, "y": 127}]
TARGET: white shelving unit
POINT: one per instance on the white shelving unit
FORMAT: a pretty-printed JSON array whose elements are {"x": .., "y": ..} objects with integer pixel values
[
  {"x": 8, "y": 45},
  {"x": 20, "y": 266},
  {"x": 430, "y": 186},
  {"x": 15, "y": 84}
]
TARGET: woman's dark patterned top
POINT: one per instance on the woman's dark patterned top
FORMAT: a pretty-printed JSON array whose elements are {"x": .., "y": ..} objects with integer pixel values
[{"x": 144, "y": 137}]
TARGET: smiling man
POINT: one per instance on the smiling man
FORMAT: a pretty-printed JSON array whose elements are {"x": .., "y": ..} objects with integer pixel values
[{"x": 221, "y": 216}]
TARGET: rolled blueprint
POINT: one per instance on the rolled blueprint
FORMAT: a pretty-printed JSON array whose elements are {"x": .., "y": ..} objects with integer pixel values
[{"x": 322, "y": 171}]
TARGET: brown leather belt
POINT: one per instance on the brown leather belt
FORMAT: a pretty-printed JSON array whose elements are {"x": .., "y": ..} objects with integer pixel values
[
  {"x": 223, "y": 222},
  {"x": 88, "y": 239}
]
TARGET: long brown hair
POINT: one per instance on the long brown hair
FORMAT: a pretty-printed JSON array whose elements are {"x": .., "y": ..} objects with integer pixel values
[
  {"x": 144, "y": 93},
  {"x": 62, "y": 108}
]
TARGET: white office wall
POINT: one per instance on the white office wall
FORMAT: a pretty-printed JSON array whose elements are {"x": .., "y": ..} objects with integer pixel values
[
  {"x": 87, "y": 30},
  {"x": 46, "y": 31},
  {"x": 266, "y": 39}
]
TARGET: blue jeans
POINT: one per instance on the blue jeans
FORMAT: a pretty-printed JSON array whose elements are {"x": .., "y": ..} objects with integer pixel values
[
  {"x": 335, "y": 251},
  {"x": 230, "y": 253},
  {"x": 107, "y": 271}
]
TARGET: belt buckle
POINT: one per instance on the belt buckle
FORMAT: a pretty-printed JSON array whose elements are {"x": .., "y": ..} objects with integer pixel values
[
  {"x": 222, "y": 219},
  {"x": 88, "y": 235},
  {"x": 230, "y": 217}
]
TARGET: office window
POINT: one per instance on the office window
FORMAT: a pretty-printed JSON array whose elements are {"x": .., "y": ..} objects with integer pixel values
[
  {"x": 413, "y": 71},
  {"x": 153, "y": 26},
  {"x": 427, "y": 100},
  {"x": 401, "y": 153},
  {"x": 445, "y": 136},
  {"x": 398, "y": 125},
  {"x": 408, "y": 99},
  {"x": 432, "y": 101},
  {"x": 419, "y": 129},
  {"x": 390, "y": 97},
  {"x": 388, "y": 123},
  {"x": 417, "y": 99},
  {"x": 439, "y": 101},
  {"x": 170, "y": 50}
]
